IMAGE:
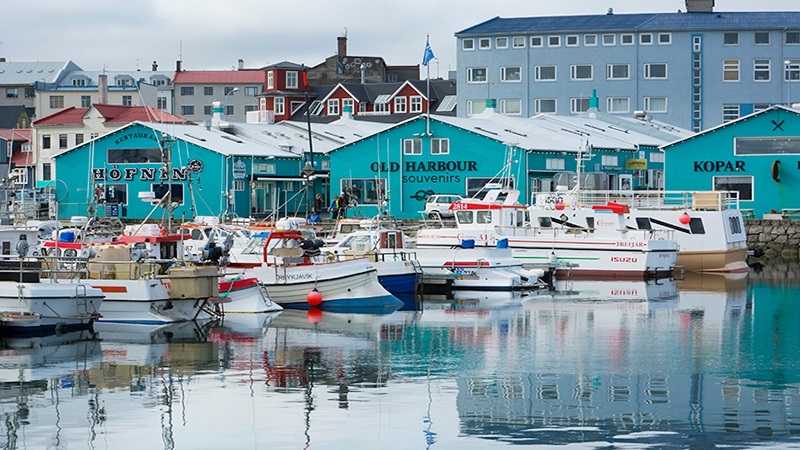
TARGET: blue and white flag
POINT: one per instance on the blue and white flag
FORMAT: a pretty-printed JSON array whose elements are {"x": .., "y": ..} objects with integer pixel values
[{"x": 428, "y": 53}]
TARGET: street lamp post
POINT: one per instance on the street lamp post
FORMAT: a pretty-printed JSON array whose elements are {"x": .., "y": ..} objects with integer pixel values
[
  {"x": 236, "y": 89},
  {"x": 310, "y": 139},
  {"x": 308, "y": 172}
]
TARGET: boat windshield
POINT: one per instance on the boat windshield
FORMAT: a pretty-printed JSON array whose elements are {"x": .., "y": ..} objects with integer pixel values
[
  {"x": 255, "y": 246},
  {"x": 357, "y": 242},
  {"x": 464, "y": 217}
]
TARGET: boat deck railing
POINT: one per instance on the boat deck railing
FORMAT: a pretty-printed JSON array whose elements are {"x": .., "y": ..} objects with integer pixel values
[
  {"x": 674, "y": 200},
  {"x": 586, "y": 233}
]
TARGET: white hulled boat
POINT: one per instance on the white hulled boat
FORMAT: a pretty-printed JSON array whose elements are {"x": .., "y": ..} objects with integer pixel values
[
  {"x": 141, "y": 278},
  {"x": 606, "y": 250},
  {"x": 388, "y": 249},
  {"x": 296, "y": 274},
  {"x": 708, "y": 226},
  {"x": 44, "y": 295}
]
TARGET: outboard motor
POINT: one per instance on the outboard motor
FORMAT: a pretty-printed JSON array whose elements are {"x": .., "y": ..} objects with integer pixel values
[
  {"x": 139, "y": 252},
  {"x": 311, "y": 247},
  {"x": 212, "y": 253}
]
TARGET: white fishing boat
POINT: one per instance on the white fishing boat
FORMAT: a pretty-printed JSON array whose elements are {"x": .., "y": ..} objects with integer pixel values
[
  {"x": 708, "y": 226},
  {"x": 459, "y": 266},
  {"x": 296, "y": 274},
  {"x": 144, "y": 283},
  {"x": 388, "y": 249},
  {"x": 41, "y": 296},
  {"x": 605, "y": 250}
]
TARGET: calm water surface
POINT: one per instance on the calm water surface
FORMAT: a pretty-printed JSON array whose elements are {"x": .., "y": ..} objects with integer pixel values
[{"x": 705, "y": 362}]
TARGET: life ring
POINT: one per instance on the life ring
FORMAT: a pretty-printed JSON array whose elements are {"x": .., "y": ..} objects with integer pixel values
[
  {"x": 164, "y": 231},
  {"x": 330, "y": 257},
  {"x": 776, "y": 170}
]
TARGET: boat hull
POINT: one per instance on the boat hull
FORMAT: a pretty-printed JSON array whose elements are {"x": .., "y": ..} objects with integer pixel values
[
  {"x": 481, "y": 268},
  {"x": 246, "y": 296},
  {"x": 351, "y": 283},
  {"x": 42, "y": 308},
  {"x": 145, "y": 301}
]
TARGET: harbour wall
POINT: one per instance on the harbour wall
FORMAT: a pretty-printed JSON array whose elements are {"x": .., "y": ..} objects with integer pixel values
[{"x": 774, "y": 237}]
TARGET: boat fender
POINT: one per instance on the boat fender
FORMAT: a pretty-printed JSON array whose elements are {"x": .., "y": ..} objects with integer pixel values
[
  {"x": 776, "y": 170},
  {"x": 86, "y": 252},
  {"x": 330, "y": 257}
]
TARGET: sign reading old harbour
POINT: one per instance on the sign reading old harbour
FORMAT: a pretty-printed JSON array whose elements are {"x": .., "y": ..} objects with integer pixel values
[{"x": 427, "y": 166}]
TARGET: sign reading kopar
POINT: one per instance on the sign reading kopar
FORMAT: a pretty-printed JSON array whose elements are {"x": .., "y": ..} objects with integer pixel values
[{"x": 719, "y": 166}]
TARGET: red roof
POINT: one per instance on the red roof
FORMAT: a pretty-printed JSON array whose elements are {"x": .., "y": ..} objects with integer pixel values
[
  {"x": 20, "y": 159},
  {"x": 17, "y": 134},
  {"x": 67, "y": 116},
  {"x": 128, "y": 114},
  {"x": 220, "y": 76}
]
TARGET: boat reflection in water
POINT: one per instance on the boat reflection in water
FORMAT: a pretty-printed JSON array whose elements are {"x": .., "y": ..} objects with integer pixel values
[
  {"x": 42, "y": 379},
  {"x": 701, "y": 362},
  {"x": 597, "y": 369}
]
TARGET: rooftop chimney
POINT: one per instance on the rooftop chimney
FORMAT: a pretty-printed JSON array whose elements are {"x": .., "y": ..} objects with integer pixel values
[
  {"x": 155, "y": 66},
  {"x": 178, "y": 66},
  {"x": 216, "y": 116},
  {"x": 342, "y": 47},
  {"x": 699, "y": 6},
  {"x": 363, "y": 73},
  {"x": 241, "y": 64},
  {"x": 102, "y": 86}
]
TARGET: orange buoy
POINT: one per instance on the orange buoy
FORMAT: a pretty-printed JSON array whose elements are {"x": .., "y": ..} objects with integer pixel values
[
  {"x": 314, "y": 298},
  {"x": 314, "y": 315},
  {"x": 684, "y": 218},
  {"x": 560, "y": 206}
]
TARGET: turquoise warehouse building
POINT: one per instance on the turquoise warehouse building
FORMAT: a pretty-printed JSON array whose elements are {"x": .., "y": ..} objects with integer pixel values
[
  {"x": 201, "y": 171},
  {"x": 423, "y": 156},
  {"x": 757, "y": 155}
]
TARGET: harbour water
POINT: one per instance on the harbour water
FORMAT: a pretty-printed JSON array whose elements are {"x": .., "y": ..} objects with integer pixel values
[{"x": 706, "y": 362}]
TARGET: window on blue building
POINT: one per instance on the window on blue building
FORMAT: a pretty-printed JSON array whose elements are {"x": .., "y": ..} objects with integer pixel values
[
  {"x": 116, "y": 193},
  {"x": 655, "y": 104},
  {"x": 655, "y": 70},
  {"x": 544, "y": 73},
  {"x": 544, "y": 105},
  {"x": 365, "y": 191},
  {"x": 730, "y": 112},
  {"x": 412, "y": 146},
  {"x": 761, "y": 69},
  {"x": 762, "y": 38},
  {"x": 440, "y": 146},
  {"x": 741, "y": 184},
  {"x": 476, "y": 75},
  {"x": 176, "y": 194},
  {"x": 730, "y": 70},
  {"x": 134, "y": 156},
  {"x": 580, "y": 72}
]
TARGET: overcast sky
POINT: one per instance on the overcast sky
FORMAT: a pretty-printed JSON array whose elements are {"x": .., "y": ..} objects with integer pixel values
[{"x": 214, "y": 35}]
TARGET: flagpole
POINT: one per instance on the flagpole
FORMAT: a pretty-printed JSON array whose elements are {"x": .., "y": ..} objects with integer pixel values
[{"x": 428, "y": 93}]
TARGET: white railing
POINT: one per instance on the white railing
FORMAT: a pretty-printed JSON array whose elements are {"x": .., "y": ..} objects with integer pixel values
[
  {"x": 689, "y": 200},
  {"x": 261, "y": 116}
]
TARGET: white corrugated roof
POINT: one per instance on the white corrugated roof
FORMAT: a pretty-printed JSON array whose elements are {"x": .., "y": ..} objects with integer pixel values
[{"x": 14, "y": 73}]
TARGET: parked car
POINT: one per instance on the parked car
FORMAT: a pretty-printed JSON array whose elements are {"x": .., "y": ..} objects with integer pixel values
[{"x": 438, "y": 206}]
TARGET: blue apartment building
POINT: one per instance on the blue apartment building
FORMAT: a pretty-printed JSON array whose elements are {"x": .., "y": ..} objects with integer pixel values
[{"x": 693, "y": 69}]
